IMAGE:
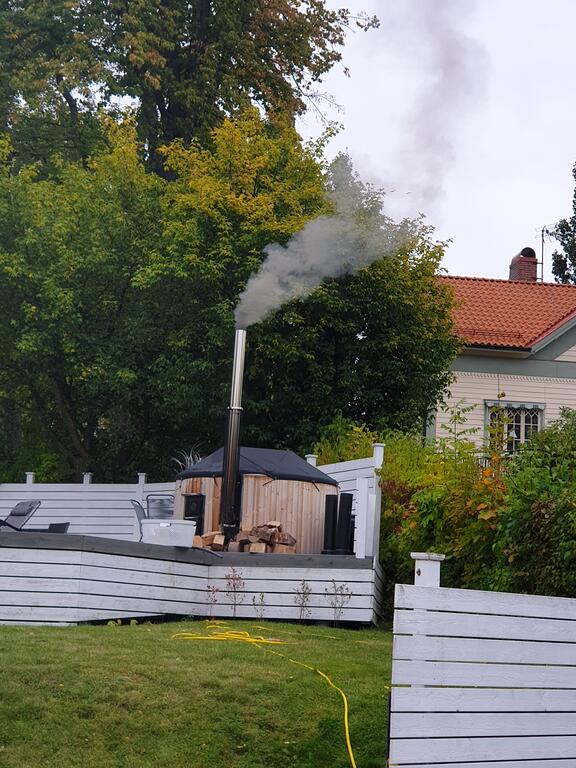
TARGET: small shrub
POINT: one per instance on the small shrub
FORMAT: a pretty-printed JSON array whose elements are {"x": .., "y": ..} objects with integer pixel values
[
  {"x": 234, "y": 588},
  {"x": 302, "y": 599},
  {"x": 338, "y": 595}
]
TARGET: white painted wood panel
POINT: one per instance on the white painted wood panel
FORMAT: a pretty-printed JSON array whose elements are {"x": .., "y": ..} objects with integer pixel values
[
  {"x": 475, "y": 649},
  {"x": 464, "y": 749},
  {"x": 71, "y": 586},
  {"x": 497, "y": 764},
  {"x": 432, "y": 725},
  {"x": 476, "y": 601},
  {"x": 569, "y": 356},
  {"x": 478, "y": 625},
  {"x": 482, "y": 675},
  {"x": 93, "y": 509},
  {"x": 482, "y": 700},
  {"x": 492, "y": 679}
]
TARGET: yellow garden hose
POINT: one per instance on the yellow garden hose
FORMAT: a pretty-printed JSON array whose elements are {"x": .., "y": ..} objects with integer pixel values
[{"x": 221, "y": 634}]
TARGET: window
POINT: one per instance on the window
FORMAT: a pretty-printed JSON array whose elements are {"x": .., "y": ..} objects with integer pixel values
[{"x": 511, "y": 424}]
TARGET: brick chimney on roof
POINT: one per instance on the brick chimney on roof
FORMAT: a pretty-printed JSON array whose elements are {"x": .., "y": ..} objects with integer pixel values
[{"x": 524, "y": 266}]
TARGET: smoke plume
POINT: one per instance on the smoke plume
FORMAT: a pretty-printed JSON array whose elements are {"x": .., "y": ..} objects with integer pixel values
[
  {"x": 430, "y": 34},
  {"x": 329, "y": 246},
  {"x": 452, "y": 68}
]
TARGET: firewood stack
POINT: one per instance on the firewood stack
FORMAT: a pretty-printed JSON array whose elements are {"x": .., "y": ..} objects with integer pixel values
[{"x": 260, "y": 539}]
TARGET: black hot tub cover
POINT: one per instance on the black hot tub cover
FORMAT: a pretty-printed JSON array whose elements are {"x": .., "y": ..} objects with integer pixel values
[{"x": 279, "y": 465}]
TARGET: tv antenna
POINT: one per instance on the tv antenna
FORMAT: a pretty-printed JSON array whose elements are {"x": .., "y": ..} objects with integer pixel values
[{"x": 546, "y": 236}]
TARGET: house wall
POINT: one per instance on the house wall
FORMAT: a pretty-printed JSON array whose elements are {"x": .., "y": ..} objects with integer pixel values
[
  {"x": 474, "y": 387},
  {"x": 569, "y": 356}
]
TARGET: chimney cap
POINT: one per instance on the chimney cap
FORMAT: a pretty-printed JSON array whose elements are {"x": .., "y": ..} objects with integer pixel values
[{"x": 529, "y": 253}]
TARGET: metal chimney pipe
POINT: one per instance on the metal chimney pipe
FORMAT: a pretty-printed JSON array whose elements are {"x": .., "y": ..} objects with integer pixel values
[{"x": 229, "y": 514}]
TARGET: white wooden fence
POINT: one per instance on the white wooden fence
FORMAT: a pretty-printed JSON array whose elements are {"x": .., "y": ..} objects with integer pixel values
[
  {"x": 61, "y": 579},
  {"x": 481, "y": 679},
  {"x": 99, "y": 509}
]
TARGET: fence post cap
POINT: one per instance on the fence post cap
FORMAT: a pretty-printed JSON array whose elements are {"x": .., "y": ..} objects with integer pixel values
[
  {"x": 427, "y": 556},
  {"x": 311, "y": 458}
]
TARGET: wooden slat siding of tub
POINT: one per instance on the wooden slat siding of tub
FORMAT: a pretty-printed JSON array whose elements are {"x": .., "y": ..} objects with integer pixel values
[
  {"x": 70, "y": 586},
  {"x": 492, "y": 680},
  {"x": 297, "y": 505}
]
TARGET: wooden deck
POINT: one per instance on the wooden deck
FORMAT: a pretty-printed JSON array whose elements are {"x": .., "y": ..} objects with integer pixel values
[{"x": 69, "y": 579}]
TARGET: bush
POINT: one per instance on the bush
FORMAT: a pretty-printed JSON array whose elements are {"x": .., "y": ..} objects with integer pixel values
[
  {"x": 535, "y": 544},
  {"x": 437, "y": 497},
  {"x": 345, "y": 440}
]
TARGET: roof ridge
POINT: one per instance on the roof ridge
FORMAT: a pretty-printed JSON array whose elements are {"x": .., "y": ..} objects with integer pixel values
[{"x": 505, "y": 280}]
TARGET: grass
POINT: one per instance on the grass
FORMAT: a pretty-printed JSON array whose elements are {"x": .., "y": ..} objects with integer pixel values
[{"x": 131, "y": 696}]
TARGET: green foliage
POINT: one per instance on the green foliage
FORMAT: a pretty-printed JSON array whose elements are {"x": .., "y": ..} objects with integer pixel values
[
  {"x": 510, "y": 526},
  {"x": 536, "y": 541},
  {"x": 564, "y": 262},
  {"x": 344, "y": 440},
  {"x": 437, "y": 498},
  {"x": 375, "y": 346},
  {"x": 185, "y": 66},
  {"x": 117, "y": 288}
]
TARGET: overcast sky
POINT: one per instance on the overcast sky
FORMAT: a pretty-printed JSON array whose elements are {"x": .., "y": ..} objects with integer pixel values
[{"x": 465, "y": 110}]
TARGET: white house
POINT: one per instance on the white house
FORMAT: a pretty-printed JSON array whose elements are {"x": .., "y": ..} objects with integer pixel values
[{"x": 520, "y": 350}]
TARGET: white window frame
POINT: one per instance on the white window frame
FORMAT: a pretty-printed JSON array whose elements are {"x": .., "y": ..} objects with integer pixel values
[{"x": 509, "y": 405}]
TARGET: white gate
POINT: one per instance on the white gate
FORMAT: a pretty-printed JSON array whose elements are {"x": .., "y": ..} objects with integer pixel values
[{"x": 482, "y": 679}]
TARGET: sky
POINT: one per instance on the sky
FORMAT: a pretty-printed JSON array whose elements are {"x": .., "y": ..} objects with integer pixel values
[{"x": 463, "y": 110}]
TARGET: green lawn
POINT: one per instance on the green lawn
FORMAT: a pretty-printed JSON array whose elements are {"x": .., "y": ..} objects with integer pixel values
[{"x": 99, "y": 696}]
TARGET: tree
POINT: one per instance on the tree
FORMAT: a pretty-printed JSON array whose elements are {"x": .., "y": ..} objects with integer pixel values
[
  {"x": 117, "y": 288},
  {"x": 186, "y": 65},
  {"x": 374, "y": 347},
  {"x": 117, "y": 297},
  {"x": 564, "y": 263}
]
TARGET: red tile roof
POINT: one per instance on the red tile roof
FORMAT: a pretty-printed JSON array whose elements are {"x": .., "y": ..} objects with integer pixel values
[{"x": 509, "y": 314}]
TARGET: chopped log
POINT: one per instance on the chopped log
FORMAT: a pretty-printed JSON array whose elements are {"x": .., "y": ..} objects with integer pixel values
[
  {"x": 258, "y": 546},
  {"x": 263, "y": 533},
  {"x": 219, "y": 542},
  {"x": 243, "y": 537},
  {"x": 284, "y": 549},
  {"x": 235, "y": 546},
  {"x": 208, "y": 538},
  {"x": 198, "y": 541},
  {"x": 275, "y": 524},
  {"x": 286, "y": 538}
]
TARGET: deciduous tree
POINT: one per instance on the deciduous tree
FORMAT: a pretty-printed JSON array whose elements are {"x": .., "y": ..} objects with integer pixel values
[{"x": 186, "y": 65}]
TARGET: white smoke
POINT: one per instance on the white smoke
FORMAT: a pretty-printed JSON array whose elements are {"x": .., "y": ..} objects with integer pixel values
[{"x": 355, "y": 236}]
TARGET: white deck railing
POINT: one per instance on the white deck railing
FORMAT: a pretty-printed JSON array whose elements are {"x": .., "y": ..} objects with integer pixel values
[{"x": 104, "y": 509}]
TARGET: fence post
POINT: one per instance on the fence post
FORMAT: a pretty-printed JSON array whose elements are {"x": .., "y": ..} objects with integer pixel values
[
  {"x": 30, "y": 477},
  {"x": 376, "y": 504},
  {"x": 427, "y": 568},
  {"x": 141, "y": 483},
  {"x": 362, "y": 519},
  {"x": 311, "y": 458},
  {"x": 86, "y": 478}
]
